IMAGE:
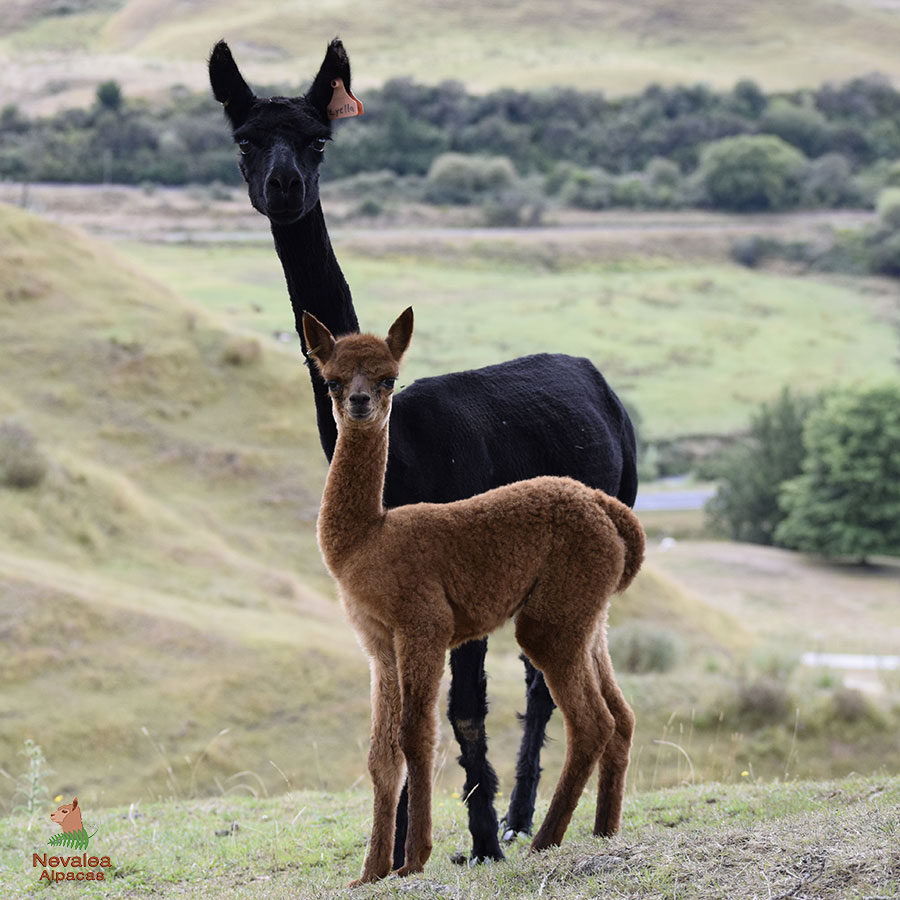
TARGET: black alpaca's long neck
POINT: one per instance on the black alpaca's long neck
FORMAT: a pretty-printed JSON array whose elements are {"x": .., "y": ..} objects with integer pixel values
[{"x": 316, "y": 285}]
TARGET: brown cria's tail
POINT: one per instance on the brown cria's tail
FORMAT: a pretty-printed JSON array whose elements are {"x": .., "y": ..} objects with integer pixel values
[{"x": 631, "y": 532}]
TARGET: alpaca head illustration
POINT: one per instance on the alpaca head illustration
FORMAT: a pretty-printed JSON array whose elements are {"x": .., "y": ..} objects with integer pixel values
[{"x": 69, "y": 816}]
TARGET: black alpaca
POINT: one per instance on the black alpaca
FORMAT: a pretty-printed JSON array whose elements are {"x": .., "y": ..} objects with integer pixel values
[{"x": 452, "y": 436}]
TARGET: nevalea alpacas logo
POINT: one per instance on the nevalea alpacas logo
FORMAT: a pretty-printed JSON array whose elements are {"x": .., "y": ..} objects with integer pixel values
[{"x": 73, "y": 835}]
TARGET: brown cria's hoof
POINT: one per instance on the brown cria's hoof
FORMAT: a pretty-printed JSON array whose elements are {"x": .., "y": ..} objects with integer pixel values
[{"x": 403, "y": 871}]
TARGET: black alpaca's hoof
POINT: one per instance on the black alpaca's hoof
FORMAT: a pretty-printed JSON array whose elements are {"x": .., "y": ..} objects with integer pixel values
[
  {"x": 512, "y": 832},
  {"x": 510, "y": 835},
  {"x": 462, "y": 859}
]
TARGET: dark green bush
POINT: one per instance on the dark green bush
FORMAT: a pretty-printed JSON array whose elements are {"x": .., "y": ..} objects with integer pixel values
[{"x": 751, "y": 173}]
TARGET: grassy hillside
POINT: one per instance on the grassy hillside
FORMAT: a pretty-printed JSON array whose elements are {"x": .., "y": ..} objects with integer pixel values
[
  {"x": 167, "y": 623},
  {"x": 57, "y": 52},
  {"x": 167, "y": 627},
  {"x": 830, "y": 840},
  {"x": 695, "y": 346}
]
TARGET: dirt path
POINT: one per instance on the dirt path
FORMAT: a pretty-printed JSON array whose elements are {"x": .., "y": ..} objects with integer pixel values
[
  {"x": 205, "y": 214},
  {"x": 791, "y": 599}
]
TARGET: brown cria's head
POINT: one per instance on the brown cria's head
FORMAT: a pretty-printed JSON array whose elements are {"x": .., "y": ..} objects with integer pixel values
[{"x": 359, "y": 369}]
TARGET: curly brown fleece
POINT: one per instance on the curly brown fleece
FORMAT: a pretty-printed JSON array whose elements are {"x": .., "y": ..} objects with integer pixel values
[{"x": 416, "y": 580}]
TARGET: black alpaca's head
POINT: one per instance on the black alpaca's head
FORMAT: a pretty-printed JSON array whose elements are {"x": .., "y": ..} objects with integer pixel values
[{"x": 282, "y": 139}]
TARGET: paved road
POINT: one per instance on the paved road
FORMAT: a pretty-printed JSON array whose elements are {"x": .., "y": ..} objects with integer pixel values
[{"x": 661, "y": 501}]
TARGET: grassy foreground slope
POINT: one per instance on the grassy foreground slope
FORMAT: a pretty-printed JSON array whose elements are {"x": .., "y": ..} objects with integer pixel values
[
  {"x": 63, "y": 49},
  {"x": 829, "y": 840},
  {"x": 167, "y": 626}
]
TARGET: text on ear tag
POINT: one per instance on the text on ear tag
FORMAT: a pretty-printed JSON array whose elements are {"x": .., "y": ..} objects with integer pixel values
[{"x": 343, "y": 104}]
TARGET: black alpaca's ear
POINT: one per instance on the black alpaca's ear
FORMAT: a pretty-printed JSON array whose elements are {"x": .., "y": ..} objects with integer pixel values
[
  {"x": 400, "y": 334},
  {"x": 319, "y": 340},
  {"x": 330, "y": 92},
  {"x": 228, "y": 85}
]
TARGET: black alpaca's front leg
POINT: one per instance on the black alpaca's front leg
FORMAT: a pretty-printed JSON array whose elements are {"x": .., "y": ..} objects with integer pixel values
[
  {"x": 467, "y": 712},
  {"x": 539, "y": 707}
]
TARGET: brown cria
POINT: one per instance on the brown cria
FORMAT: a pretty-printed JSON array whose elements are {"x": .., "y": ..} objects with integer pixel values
[{"x": 417, "y": 580}]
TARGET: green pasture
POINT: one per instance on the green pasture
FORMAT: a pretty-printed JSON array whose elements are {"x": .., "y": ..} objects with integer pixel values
[{"x": 694, "y": 347}]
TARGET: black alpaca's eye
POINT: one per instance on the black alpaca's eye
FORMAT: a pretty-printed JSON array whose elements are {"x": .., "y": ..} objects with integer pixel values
[
  {"x": 334, "y": 386},
  {"x": 244, "y": 145},
  {"x": 318, "y": 144},
  {"x": 388, "y": 383}
]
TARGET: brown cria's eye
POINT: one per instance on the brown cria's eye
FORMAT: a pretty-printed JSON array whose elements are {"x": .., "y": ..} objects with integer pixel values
[
  {"x": 388, "y": 383},
  {"x": 334, "y": 386}
]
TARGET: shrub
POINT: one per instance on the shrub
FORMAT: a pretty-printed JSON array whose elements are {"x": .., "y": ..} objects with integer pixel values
[
  {"x": 849, "y": 705},
  {"x": 888, "y": 208},
  {"x": 828, "y": 182},
  {"x": 460, "y": 179},
  {"x": 22, "y": 464},
  {"x": 631, "y": 191},
  {"x": 751, "y": 173},
  {"x": 664, "y": 182},
  {"x": 241, "y": 351},
  {"x": 639, "y": 648},
  {"x": 802, "y": 126},
  {"x": 588, "y": 189},
  {"x": 763, "y": 700}
]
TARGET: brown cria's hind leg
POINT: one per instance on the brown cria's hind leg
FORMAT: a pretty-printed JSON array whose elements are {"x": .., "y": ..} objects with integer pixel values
[
  {"x": 614, "y": 761},
  {"x": 572, "y": 677}
]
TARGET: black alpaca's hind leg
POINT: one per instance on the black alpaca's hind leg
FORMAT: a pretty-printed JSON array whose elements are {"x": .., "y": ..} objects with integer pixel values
[
  {"x": 467, "y": 711},
  {"x": 539, "y": 707},
  {"x": 401, "y": 825}
]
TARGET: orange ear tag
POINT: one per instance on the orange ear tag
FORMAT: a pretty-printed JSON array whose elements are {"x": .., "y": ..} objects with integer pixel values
[{"x": 343, "y": 104}]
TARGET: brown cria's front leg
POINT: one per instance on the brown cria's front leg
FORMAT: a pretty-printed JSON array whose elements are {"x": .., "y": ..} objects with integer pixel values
[
  {"x": 385, "y": 756},
  {"x": 420, "y": 659}
]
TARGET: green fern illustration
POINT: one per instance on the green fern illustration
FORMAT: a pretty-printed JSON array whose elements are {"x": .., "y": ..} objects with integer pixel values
[{"x": 76, "y": 840}]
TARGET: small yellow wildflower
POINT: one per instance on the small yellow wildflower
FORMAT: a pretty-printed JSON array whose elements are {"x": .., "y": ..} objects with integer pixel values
[
  {"x": 745, "y": 774},
  {"x": 57, "y": 798}
]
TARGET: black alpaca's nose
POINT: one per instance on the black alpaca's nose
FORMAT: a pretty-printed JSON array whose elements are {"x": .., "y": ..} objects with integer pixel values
[{"x": 285, "y": 186}]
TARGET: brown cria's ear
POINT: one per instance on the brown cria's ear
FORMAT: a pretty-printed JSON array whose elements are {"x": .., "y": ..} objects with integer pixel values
[
  {"x": 400, "y": 334},
  {"x": 319, "y": 339},
  {"x": 74, "y": 803},
  {"x": 228, "y": 85}
]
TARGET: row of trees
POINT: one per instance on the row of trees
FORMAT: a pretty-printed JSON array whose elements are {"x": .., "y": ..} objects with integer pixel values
[
  {"x": 819, "y": 474},
  {"x": 737, "y": 149}
]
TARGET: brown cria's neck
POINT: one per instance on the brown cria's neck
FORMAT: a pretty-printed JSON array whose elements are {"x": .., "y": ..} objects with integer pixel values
[{"x": 352, "y": 505}]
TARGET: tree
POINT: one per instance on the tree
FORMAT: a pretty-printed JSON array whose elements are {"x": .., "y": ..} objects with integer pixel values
[
  {"x": 751, "y": 172},
  {"x": 750, "y": 475},
  {"x": 109, "y": 95},
  {"x": 846, "y": 502}
]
